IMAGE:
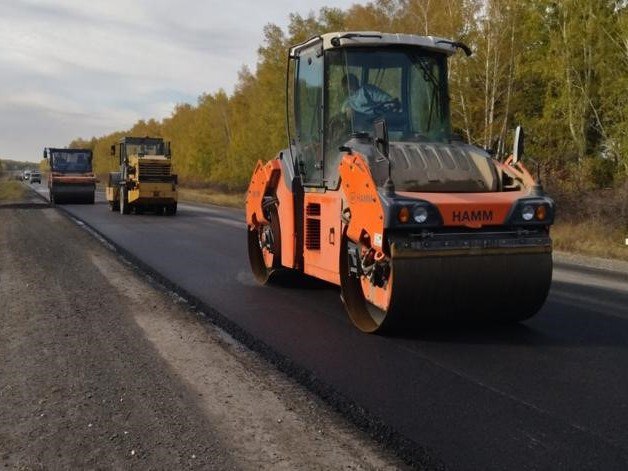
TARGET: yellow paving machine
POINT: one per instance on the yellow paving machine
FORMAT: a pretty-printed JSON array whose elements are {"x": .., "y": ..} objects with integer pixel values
[{"x": 145, "y": 181}]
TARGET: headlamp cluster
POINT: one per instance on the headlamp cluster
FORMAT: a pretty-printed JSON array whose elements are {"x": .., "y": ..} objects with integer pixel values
[
  {"x": 533, "y": 211},
  {"x": 419, "y": 212}
]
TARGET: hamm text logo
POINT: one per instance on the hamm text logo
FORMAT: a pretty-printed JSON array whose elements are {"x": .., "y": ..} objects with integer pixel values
[
  {"x": 360, "y": 198},
  {"x": 472, "y": 216}
]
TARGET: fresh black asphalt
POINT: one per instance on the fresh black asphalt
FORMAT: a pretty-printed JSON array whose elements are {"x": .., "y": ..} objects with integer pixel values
[{"x": 551, "y": 393}]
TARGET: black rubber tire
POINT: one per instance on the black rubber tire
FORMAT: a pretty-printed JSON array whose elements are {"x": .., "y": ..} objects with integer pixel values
[
  {"x": 124, "y": 201},
  {"x": 171, "y": 209}
]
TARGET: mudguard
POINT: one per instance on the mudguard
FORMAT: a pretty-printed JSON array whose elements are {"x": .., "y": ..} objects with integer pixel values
[
  {"x": 264, "y": 179},
  {"x": 366, "y": 221}
]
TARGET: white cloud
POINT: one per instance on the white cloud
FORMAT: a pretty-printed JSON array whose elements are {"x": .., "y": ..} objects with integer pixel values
[{"x": 71, "y": 68}]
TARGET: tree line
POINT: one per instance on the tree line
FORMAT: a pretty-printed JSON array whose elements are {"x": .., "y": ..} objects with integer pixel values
[
  {"x": 11, "y": 166},
  {"x": 557, "y": 67}
]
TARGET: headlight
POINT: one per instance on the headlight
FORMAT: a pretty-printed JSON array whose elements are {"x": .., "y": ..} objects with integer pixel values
[
  {"x": 527, "y": 213},
  {"x": 420, "y": 214},
  {"x": 403, "y": 215}
]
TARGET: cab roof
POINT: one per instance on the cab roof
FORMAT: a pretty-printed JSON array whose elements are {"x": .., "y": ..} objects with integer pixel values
[
  {"x": 374, "y": 39},
  {"x": 141, "y": 140},
  {"x": 69, "y": 151}
]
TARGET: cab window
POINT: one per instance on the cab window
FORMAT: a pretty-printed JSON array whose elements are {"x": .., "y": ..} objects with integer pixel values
[{"x": 309, "y": 101}]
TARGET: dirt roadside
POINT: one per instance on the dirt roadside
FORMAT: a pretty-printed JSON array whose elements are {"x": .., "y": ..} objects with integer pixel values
[{"x": 99, "y": 369}]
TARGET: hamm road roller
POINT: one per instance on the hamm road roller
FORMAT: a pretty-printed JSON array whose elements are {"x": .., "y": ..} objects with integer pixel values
[
  {"x": 71, "y": 178},
  {"x": 145, "y": 180},
  {"x": 377, "y": 195}
]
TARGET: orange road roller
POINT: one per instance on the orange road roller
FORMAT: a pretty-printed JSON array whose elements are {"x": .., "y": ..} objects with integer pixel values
[
  {"x": 71, "y": 178},
  {"x": 376, "y": 194}
]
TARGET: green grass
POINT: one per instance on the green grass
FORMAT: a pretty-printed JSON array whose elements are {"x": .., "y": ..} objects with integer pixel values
[
  {"x": 11, "y": 190},
  {"x": 209, "y": 196}
]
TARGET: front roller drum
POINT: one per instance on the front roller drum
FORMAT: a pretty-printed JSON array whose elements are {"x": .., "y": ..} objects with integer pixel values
[
  {"x": 72, "y": 193},
  {"x": 452, "y": 288}
]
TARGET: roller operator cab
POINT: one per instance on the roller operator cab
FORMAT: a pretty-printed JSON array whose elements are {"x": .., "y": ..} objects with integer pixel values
[
  {"x": 145, "y": 181},
  {"x": 71, "y": 178},
  {"x": 376, "y": 195}
]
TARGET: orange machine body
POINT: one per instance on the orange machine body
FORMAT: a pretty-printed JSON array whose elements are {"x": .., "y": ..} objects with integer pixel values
[
  {"x": 71, "y": 178},
  {"x": 310, "y": 240}
]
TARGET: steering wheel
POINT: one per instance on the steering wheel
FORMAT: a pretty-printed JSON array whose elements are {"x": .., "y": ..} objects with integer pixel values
[{"x": 388, "y": 106}]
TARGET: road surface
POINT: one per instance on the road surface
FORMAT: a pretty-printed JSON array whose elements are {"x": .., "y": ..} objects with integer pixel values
[
  {"x": 551, "y": 393},
  {"x": 99, "y": 369}
]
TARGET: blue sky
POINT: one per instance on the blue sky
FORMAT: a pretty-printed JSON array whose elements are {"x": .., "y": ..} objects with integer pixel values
[{"x": 75, "y": 68}]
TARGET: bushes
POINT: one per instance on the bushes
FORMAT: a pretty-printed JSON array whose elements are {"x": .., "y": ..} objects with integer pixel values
[{"x": 603, "y": 207}]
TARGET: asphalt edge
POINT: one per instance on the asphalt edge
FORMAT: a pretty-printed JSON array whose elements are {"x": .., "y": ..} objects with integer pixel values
[{"x": 412, "y": 453}]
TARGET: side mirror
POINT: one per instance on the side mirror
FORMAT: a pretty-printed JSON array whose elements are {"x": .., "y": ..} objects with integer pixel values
[
  {"x": 167, "y": 151},
  {"x": 113, "y": 149},
  {"x": 517, "y": 149},
  {"x": 45, "y": 154},
  {"x": 381, "y": 137}
]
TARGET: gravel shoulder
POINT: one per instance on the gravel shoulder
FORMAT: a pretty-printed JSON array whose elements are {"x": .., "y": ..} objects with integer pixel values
[
  {"x": 102, "y": 369},
  {"x": 603, "y": 265}
]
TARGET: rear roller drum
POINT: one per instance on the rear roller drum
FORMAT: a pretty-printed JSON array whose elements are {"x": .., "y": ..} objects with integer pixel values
[
  {"x": 264, "y": 245},
  {"x": 355, "y": 281}
]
